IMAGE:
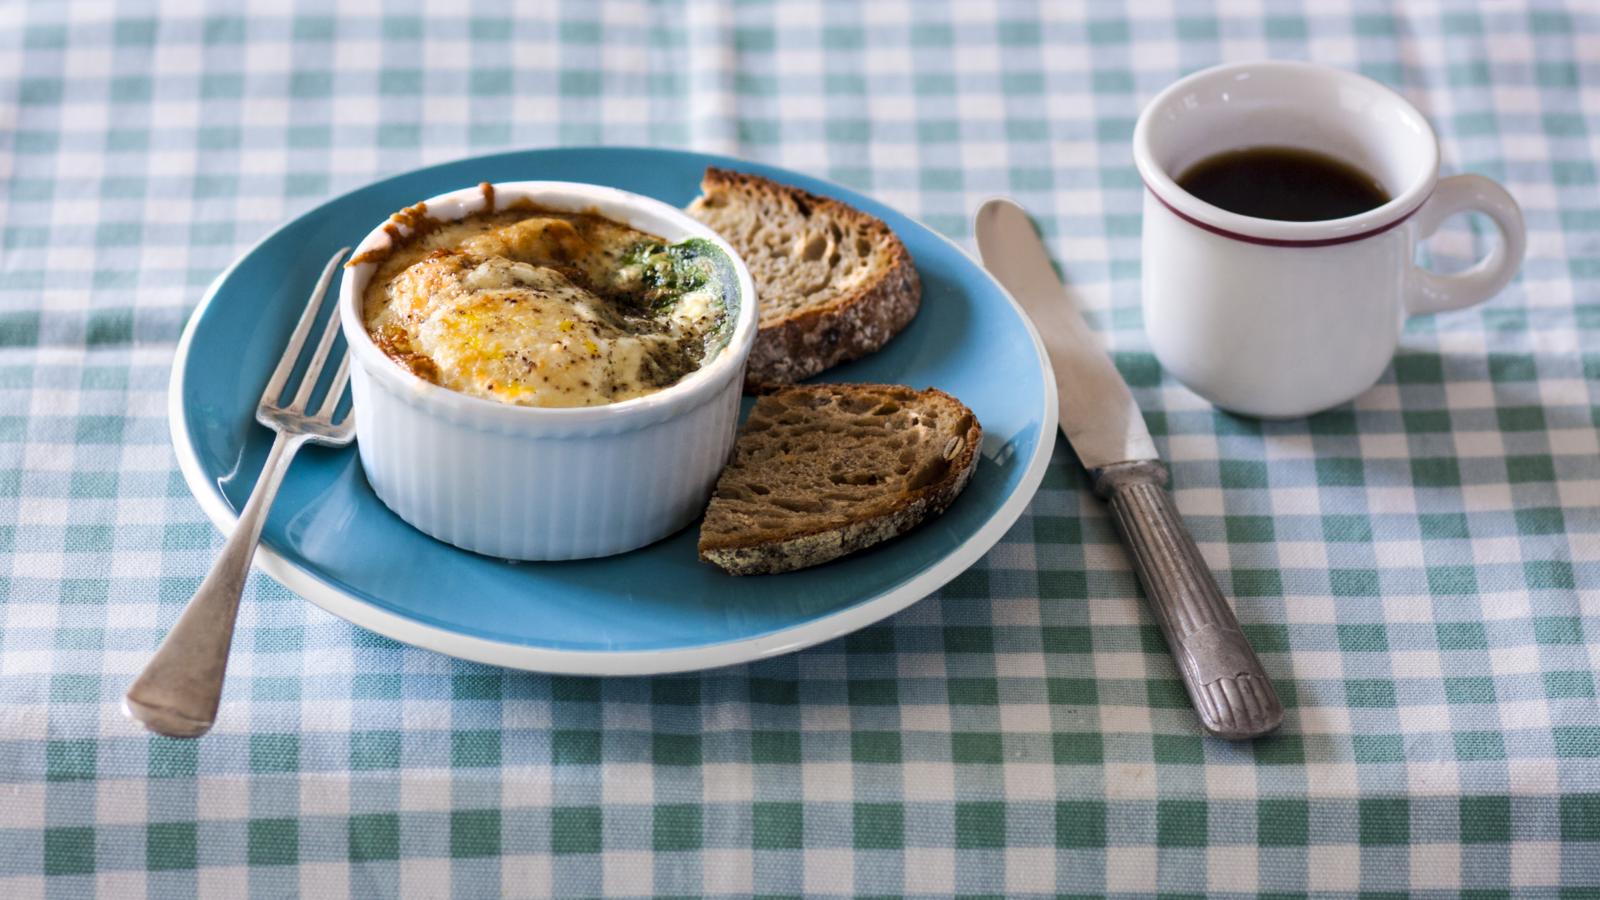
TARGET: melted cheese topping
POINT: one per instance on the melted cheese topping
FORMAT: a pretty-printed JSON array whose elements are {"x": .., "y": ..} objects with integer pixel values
[{"x": 542, "y": 309}]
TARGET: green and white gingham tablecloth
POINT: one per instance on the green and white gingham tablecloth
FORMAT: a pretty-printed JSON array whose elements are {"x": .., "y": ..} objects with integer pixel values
[{"x": 1419, "y": 570}]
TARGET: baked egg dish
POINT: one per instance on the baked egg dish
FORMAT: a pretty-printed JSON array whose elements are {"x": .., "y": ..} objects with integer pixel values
[{"x": 536, "y": 307}]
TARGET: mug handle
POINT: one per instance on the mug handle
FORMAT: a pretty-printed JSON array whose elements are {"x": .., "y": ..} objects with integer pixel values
[{"x": 1431, "y": 292}]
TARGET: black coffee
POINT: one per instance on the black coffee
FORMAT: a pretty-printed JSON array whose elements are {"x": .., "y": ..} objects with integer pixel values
[{"x": 1283, "y": 183}]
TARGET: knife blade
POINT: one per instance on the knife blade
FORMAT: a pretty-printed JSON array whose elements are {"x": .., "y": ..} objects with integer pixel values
[
  {"x": 1229, "y": 688},
  {"x": 1098, "y": 413}
]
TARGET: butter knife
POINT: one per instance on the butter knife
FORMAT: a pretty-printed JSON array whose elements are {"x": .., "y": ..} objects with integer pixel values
[{"x": 1224, "y": 678}]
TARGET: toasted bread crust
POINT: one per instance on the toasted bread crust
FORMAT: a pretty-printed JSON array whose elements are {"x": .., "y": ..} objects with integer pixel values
[
  {"x": 846, "y": 327},
  {"x": 769, "y": 553}
]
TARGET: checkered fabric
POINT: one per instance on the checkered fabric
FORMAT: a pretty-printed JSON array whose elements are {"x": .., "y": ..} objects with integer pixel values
[{"x": 1420, "y": 570}]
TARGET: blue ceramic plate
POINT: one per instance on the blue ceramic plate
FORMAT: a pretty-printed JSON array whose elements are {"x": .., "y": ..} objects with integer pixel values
[{"x": 658, "y": 609}]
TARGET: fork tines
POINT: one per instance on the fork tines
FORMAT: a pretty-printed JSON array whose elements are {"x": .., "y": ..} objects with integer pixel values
[{"x": 272, "y": 397}]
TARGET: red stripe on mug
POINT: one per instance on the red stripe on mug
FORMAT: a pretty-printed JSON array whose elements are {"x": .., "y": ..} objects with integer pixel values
[{"x": 1284, "y": 242}]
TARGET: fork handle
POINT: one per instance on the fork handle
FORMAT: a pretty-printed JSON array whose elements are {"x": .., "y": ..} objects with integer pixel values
[
  {"x": 180, "y": 688},
  {"x": 1221, "y": 672}
]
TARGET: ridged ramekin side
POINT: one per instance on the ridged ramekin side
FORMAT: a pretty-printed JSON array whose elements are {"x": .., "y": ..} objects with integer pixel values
[{"x": 541, "y": 498}]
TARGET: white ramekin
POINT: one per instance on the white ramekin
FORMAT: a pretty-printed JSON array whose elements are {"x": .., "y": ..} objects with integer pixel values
[{"x": 544, "y": 484}]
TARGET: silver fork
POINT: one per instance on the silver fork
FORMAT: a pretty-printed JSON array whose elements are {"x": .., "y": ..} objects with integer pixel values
[{"x": 179, "y": 690}]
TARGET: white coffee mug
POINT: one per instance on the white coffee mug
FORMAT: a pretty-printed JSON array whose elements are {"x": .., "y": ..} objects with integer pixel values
[{"x": 1274, "y": 318}]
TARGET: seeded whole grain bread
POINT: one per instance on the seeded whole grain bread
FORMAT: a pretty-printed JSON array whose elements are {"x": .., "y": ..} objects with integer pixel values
[
  {"x": 823, "y": 470},
  {"x": 833, "y": 283}
]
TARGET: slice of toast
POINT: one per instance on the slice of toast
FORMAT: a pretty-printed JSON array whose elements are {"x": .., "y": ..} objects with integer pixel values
[
  {"x": 823, "y": 470},
  {"x": 833, "y": 283}
]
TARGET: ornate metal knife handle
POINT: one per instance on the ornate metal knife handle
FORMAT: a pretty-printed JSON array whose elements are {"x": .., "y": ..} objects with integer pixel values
[{"x": 1224, "y": 678}]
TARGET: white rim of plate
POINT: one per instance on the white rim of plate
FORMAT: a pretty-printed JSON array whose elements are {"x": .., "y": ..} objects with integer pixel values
[{"x": 622, "y": 662}]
